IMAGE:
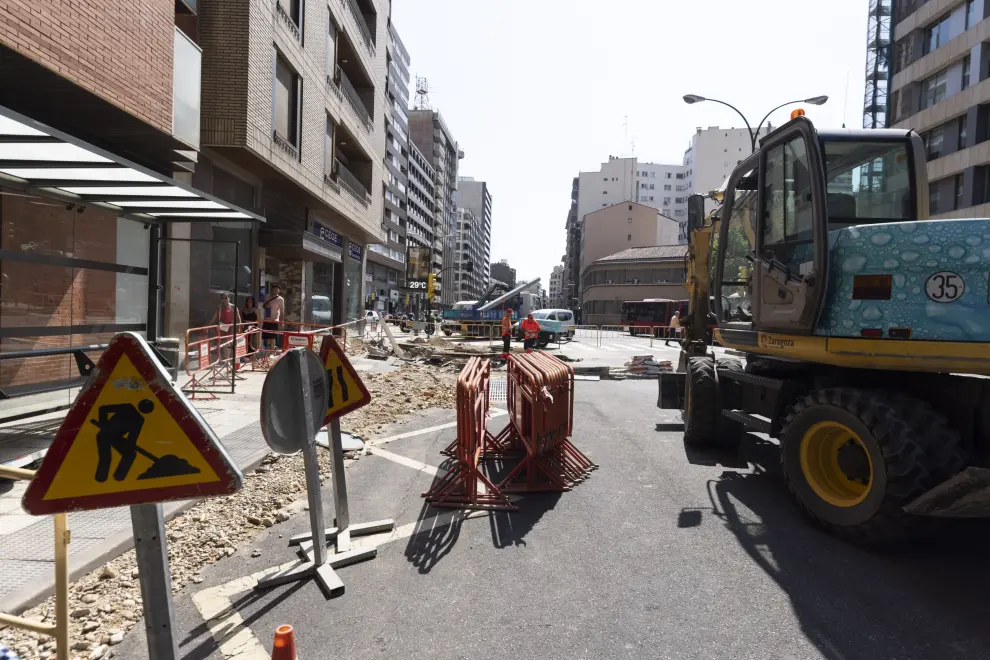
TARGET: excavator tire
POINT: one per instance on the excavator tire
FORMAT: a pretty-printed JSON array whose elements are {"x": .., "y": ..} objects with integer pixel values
[
  {"x": 854, "y": 458},
  {"x": 701, "y": 411}
]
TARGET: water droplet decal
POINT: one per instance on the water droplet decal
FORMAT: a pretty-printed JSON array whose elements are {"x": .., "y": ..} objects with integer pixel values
[
  {"x": 899, "y": 280},
  {"x": 854, "y": 305},
  {"x": 972, "y": 259},
  {"x": 920, "y": 239},
  {"x": 881, "y": 239},
  {"x": 855, "y": 263},
  {"x": 891, "y": 263},
  {"x": 957, "y": 252},
  {"x": 907, "y": 256},
  {"x": 872, "y": 313},
  {"x": 934, "y": 248},
  {"x": 901, "y": 296},
  {"x": 974, "y": 241},
  {"x": 909, "y": 227}
]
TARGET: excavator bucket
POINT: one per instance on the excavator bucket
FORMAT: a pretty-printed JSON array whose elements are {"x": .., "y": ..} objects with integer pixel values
[{"x": 966, "y": 495}]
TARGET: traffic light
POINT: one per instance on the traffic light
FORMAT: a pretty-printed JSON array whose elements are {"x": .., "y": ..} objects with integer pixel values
[{"x": 429, "y": 286}]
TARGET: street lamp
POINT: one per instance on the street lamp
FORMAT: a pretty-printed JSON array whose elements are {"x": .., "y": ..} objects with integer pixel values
[{"x": 691, "y": 99}]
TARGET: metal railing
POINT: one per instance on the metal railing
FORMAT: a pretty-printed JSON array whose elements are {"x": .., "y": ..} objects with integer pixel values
[
  {"x": 60, "y": 628},
  {"x": 354, "y": 98},
  {"x": 288, "y": 21},
  {"x": 351, "y": 182},
  {"x": 362, "y": 24}
]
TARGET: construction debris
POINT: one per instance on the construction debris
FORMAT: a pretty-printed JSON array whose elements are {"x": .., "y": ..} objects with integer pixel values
[{"x": 646, "y": 365}]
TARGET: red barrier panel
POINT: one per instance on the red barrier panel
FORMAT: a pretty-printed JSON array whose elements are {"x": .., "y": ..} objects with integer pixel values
[
  {"x": 292, "y": 340},
  {"x": 540, "y": 397},
  {"x": 465, "y": 486}
]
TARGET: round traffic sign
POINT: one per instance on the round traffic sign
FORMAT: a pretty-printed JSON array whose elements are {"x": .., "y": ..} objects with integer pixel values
[{"x": 296, "y": 384}]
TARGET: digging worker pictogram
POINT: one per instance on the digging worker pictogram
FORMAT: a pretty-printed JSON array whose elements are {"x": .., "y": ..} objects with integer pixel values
[{"x": 120, "y": 427}]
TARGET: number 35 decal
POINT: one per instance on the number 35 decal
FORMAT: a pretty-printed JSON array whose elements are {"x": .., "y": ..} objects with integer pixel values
[{"x": 945, "y": 287}]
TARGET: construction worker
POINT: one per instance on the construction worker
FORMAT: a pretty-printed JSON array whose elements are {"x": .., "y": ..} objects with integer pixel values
[
  {"x": 531, "y": 330},
  {"x": 506, "y": 332}
]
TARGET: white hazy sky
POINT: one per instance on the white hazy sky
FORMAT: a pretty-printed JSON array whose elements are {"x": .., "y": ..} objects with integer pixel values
[{"x": 536, "y": 90}]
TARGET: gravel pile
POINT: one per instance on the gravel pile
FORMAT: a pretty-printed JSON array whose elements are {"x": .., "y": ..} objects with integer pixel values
[{"x": 106, "y": 603}]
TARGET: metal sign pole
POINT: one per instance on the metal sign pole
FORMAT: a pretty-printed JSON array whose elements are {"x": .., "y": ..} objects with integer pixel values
[
  {"x": 148, "y": 522},
  {"x": 311, "y": 465},
  {"x": 339, "y": 487}
]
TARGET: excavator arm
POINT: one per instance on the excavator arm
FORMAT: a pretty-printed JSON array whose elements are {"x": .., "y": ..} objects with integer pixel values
[{"x": 698, "y": 275}]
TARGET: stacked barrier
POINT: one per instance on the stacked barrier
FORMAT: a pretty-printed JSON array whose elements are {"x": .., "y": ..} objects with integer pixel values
[
  {"x": 540, "y": 400},
  {"x": 460, "y": 487}
]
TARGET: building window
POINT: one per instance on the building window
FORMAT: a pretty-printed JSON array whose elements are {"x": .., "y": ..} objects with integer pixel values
[
  {"x": 630, "y": 220},
  {"x": 652, "y": 186},
  {"x": 630, "y": 207},
  {"x": 933, "y": 90},
  {"x": 972, "y": 18},
  {"x": 963, "y": 122},
  {"x": 667, "y": 187},
  {"x": 332, "y": 50},
  {"x": 934, "y": 142},
  {"x": 605, "y": 178},
  {"x": 628, "y": 237},
  {"x": 642, "y": 185},
  {"x": 959, "y": 192},
  {"x": 668, "y": 175},
  {"x": 937, "y": 34},
  {"x": 328, "y": 155},
  {"x": 287, "y": 93},
  {"x": 932, "y": 198},
  {"x": 965, "y": 72},
  {"x": 604, "y": 192}
]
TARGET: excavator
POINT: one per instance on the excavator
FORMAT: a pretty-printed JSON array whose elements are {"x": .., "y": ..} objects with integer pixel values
[{"x": 855, "y": 331}]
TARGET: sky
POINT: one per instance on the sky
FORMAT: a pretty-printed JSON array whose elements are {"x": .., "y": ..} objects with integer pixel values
[{"x": 535, "y": 91}]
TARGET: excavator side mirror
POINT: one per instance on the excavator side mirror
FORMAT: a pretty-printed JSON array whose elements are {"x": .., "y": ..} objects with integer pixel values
[{"x": 696, "y": 212}]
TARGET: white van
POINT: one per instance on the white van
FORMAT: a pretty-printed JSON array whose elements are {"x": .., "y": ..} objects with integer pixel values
[{"x": 555, "y": 324}]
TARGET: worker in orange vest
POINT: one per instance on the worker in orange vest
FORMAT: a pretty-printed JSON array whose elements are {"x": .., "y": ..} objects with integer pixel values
[
  {"x": 506, "y": 332},
  {"x": 531, "y": 330}
]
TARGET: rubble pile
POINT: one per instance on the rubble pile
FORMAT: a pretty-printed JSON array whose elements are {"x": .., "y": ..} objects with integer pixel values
[
  {"x": 645, "y": 365},
  {"x": 106, "y": 603}
]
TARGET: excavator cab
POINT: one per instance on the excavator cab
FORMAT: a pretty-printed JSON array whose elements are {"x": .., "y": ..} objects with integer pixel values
[{"x": 780, "y": 210}]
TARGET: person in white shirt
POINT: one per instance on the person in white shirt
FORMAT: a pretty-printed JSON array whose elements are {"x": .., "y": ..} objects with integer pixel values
[
  {"x": 675, "y": 327},
  {"x": 276, "y": 308}
]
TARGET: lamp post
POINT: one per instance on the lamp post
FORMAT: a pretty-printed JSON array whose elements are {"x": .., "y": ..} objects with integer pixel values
[{"x": 814, "y": 100}]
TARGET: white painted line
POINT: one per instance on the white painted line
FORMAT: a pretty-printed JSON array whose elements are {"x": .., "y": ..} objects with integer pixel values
[
  {"x": 236, "y": 640},
  {"x": 408, "y": 462},
  {"x": 493, "y": 412}
]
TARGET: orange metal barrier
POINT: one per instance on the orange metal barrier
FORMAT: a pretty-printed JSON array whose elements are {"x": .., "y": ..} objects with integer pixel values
[
  {"x": 540, "y": 397},
  {"x": 459, "y": 488}
]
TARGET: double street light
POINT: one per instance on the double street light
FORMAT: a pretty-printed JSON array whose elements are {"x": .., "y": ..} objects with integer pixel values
[{"x": 814, "y": 100}]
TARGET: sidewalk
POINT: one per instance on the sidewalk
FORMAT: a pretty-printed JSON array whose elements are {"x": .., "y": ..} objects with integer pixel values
[{"x": 26, "y": 542}]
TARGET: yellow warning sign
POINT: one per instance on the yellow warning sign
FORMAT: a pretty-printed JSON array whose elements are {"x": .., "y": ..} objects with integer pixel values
[
  {"x": 129, "y": 438},
  {"x": 346, "y": 391}
]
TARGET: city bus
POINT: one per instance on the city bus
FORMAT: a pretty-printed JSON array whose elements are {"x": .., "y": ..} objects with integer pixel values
[{"x": 641, "y": 316}]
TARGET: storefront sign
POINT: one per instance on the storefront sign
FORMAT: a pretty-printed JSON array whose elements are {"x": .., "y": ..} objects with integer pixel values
[
  {"x": 328, "y": 235},
  {"x": 354, "y": 250}
]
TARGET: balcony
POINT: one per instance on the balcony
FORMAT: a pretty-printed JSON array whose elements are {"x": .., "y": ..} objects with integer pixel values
[
  {"x": 186, "y": 79},
  {"x": 354, "y": 99},
  {"x": 366, "y": 20},
  {"x": 288, "y": 14},
  {"x": 350, "y": 182}
]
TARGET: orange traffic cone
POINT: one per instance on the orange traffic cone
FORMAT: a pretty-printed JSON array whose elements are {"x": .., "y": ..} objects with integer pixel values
[{"x": 284, "y": 647}]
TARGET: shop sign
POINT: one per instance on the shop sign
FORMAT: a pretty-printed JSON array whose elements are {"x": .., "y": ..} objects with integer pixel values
[
  {"x": 354, "y": 250},
  {"x": 328, "y": 235}
]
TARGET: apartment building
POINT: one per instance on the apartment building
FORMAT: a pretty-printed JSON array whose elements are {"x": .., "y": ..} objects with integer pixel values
[
  {"x": 569, "y": 283},
  {"x": 468, "y": 274},
  {"x": 623, "y": 226},
  {"x": 939, "y": 87},
  {"x": 708, "y": 161},
  {"x": 503, "y": 272},
  {"x": 555, "y": 281},
  {"x": 386, "y": 270},
  {"x": 476, "y": 196},
  {"x": 628, "y": 180},
  {"x": 99, "y": 130},
  {"x": 293, "y": 115},
  {"x": 429, "y": 132},
  {"x": 639, "y": 273}
]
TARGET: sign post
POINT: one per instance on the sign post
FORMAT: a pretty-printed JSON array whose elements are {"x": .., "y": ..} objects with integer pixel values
[
  {"x": 293, "y": 405},
  {"x": 131, "y": 438}
]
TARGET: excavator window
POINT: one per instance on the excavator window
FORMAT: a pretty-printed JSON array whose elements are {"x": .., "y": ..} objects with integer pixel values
[
  {"x": 740, "y": 248},
  {"x": 868, "y": 182},
  {"x": 788, "y": 232}
]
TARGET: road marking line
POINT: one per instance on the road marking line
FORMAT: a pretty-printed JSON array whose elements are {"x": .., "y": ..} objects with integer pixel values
[
  {"x": 494, "y": 412},
  {"x": 236, "y": 640},
  {"x": 408, "y": 462}
]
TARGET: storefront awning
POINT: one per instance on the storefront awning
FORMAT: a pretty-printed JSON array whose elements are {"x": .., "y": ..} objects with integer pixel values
[{"x": 45, "y": 161}]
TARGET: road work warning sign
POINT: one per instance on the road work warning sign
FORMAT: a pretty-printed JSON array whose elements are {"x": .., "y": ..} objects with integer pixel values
[
  {"x": 129, "y": 438},
  {"x": 346, "y": 392}
]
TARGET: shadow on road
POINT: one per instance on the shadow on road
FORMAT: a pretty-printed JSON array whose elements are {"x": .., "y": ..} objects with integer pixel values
[
  {"x": 926, "y": 601},
  {"x": 438, "y": 529}
]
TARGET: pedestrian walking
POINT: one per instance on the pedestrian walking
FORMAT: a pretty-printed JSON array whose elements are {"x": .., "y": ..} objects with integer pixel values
[
  {"x": 531, "y": 330},
  {"x": 506, "y": 333},
  {"x": 250, "y": 316},
  {"x": 275, "y": 305},
  {"x": 675, "y": 327}
]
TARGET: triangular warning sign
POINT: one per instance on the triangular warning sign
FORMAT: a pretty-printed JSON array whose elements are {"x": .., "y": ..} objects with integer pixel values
[
  {"x": 130, "y": 438},
  {"x": 346, "y": 392}
]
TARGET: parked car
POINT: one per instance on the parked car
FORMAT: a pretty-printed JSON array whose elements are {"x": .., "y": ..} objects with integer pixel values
[
  {"x": 322, "y": 310},
  {"x": 554, "y": 325}
]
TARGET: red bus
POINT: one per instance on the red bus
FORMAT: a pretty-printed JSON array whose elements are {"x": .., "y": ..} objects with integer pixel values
[{"x": 643, "y": 315}]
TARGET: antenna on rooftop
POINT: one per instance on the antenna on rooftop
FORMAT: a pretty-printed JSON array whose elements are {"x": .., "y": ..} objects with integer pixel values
[{"x": 422, "y": 93}]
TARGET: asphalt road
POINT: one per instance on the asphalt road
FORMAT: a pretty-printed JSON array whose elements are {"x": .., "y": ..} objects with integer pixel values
[{"x": 654, "y": 556}]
